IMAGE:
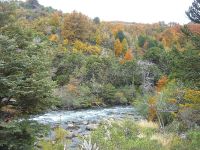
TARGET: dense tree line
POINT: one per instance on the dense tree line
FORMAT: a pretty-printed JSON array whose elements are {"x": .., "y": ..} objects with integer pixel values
[{"x": 50, "y": 59}]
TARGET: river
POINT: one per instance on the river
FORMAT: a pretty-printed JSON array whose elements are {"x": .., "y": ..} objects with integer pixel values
[{"x": 82, "y": 122}]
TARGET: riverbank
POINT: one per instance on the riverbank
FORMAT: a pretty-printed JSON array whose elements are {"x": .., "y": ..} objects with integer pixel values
[{"x": 80, "y": 123}]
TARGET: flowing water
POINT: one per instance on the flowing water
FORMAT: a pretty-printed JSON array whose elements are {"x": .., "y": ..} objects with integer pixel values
[
  {"x": 82, "y": 122},
  {"x": 90, "y": 115}
]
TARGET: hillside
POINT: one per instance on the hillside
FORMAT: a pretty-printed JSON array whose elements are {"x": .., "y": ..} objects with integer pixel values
[{"x": 50, "y": 60}]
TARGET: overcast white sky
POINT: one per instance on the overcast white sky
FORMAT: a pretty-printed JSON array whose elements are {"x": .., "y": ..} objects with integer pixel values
[{"x": 141, "y": 11}]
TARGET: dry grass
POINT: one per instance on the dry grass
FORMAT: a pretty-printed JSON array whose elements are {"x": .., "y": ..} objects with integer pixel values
[
  {"x": 164, "y": 139},
  {"x": 147, "y": 124}
]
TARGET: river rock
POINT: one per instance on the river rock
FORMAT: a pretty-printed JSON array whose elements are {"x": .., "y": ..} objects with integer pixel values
[
  {"x": 91, "y": 126},
  {"x": 85, "y": 122},
  {"x": 72, "y": 134},
  {"x": 72, "y": 126}
]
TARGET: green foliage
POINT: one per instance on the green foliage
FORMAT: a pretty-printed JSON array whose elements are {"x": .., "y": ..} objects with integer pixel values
[
  {"x": 125, "y": 135},
  {"x": 148, "y": 42},
  {"x": 186, "y": 68},
  {"x": 108, "y": 94},
  {"x": 141, "y": 41},
  {"x": 59, "y": 143},
  {"x": 25, "y": 75},
  {"x": 120, "y": 35},
  {"x": 159, "y": 57},
  {"x": 191, "y": 141},
  {"x": 66, "y": 64},
  {"x": 7, "y": 12},
  {"x": 20, "y": 135}
]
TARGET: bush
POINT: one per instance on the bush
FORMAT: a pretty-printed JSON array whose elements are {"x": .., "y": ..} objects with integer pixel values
[
  {"x": 108, "y": 94},
  {"x": 59, "y": 143},
  {"x": 125, "y": 135},
  {"x": 190, "y": 143},
  {"x": 120, "y": 98},
  {"x": 20, "y": 135}
]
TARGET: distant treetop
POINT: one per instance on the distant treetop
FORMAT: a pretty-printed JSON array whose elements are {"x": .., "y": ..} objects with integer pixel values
[{"x": 33, "y": 4}]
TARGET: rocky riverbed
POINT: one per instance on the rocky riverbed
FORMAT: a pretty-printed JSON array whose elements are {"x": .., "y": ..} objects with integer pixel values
[{"x": 82, "y": 122}]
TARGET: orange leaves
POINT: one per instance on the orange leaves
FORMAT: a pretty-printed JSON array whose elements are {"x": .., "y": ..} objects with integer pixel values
[
  {"x": 116, "y": 28},
  {"x": 161, "y": 83},
  {"x": 128, "y": 55},
  {"x": 118, "y": 47},
  {"x": 194, "y": 28},
  {"x": 71, "y": 88}
]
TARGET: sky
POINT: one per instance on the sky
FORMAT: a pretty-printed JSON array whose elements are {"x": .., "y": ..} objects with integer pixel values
[{"x": 140, "y": 11}]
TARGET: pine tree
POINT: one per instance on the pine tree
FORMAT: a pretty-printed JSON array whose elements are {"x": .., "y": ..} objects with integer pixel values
[{"x": 194, "y": 12}]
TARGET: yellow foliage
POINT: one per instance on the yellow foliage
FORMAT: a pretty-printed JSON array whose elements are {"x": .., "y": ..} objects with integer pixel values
[
  {"x": 124, "y": 45},
  {"x": 172, "y": 101},
  {"x": 76, "y": 26},
  {"x": 148, "y": 124},
  {"x": 55, "y": 19},
  {"x": 152, "y": 108},
  {"x": 118, "y": 47},
  {"x": 85, "y": 48},
  {"x": 122, "y": 61},
  {"x": 65, "y": 42},
  {"x": 98, "y": 38},
  {"x": 53, "y": 38},
  {"x": 192, "y": 96}
]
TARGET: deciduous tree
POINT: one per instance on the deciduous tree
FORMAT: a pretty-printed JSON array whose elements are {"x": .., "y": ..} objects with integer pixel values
[
  {"x": 118, "y": 47},
  {"x": 76, "y": 26}
]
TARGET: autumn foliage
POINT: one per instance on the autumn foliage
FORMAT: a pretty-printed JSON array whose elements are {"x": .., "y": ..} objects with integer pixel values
[
  {"x": 128, "y": 55},
  {"x": 53, "y": 38},
  {"x": 118, "y": 47},
  {"x": 152, "y": 112},
  {"x": 161, "y": 83}
]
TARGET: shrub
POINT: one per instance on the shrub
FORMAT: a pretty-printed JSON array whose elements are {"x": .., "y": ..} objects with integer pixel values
[
  {"x": 20, "y": 135},
  {"x": 108, "y": 94},
  {"x": 125, "y": 134},
  {"x": 59, "y": 143}
]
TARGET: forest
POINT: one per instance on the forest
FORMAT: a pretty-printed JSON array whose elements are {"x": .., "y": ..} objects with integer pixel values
[{"x": 51, "y": 60}]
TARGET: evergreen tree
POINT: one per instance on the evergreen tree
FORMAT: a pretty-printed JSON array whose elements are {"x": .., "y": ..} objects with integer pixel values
[
  {"x": 25, "y": 74},
  {"x": 120, "y": 35},
  {"x": 33, "y": 4},
  {"x": 194, "y": 12},
  {"x": 96, "y": 20}
]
